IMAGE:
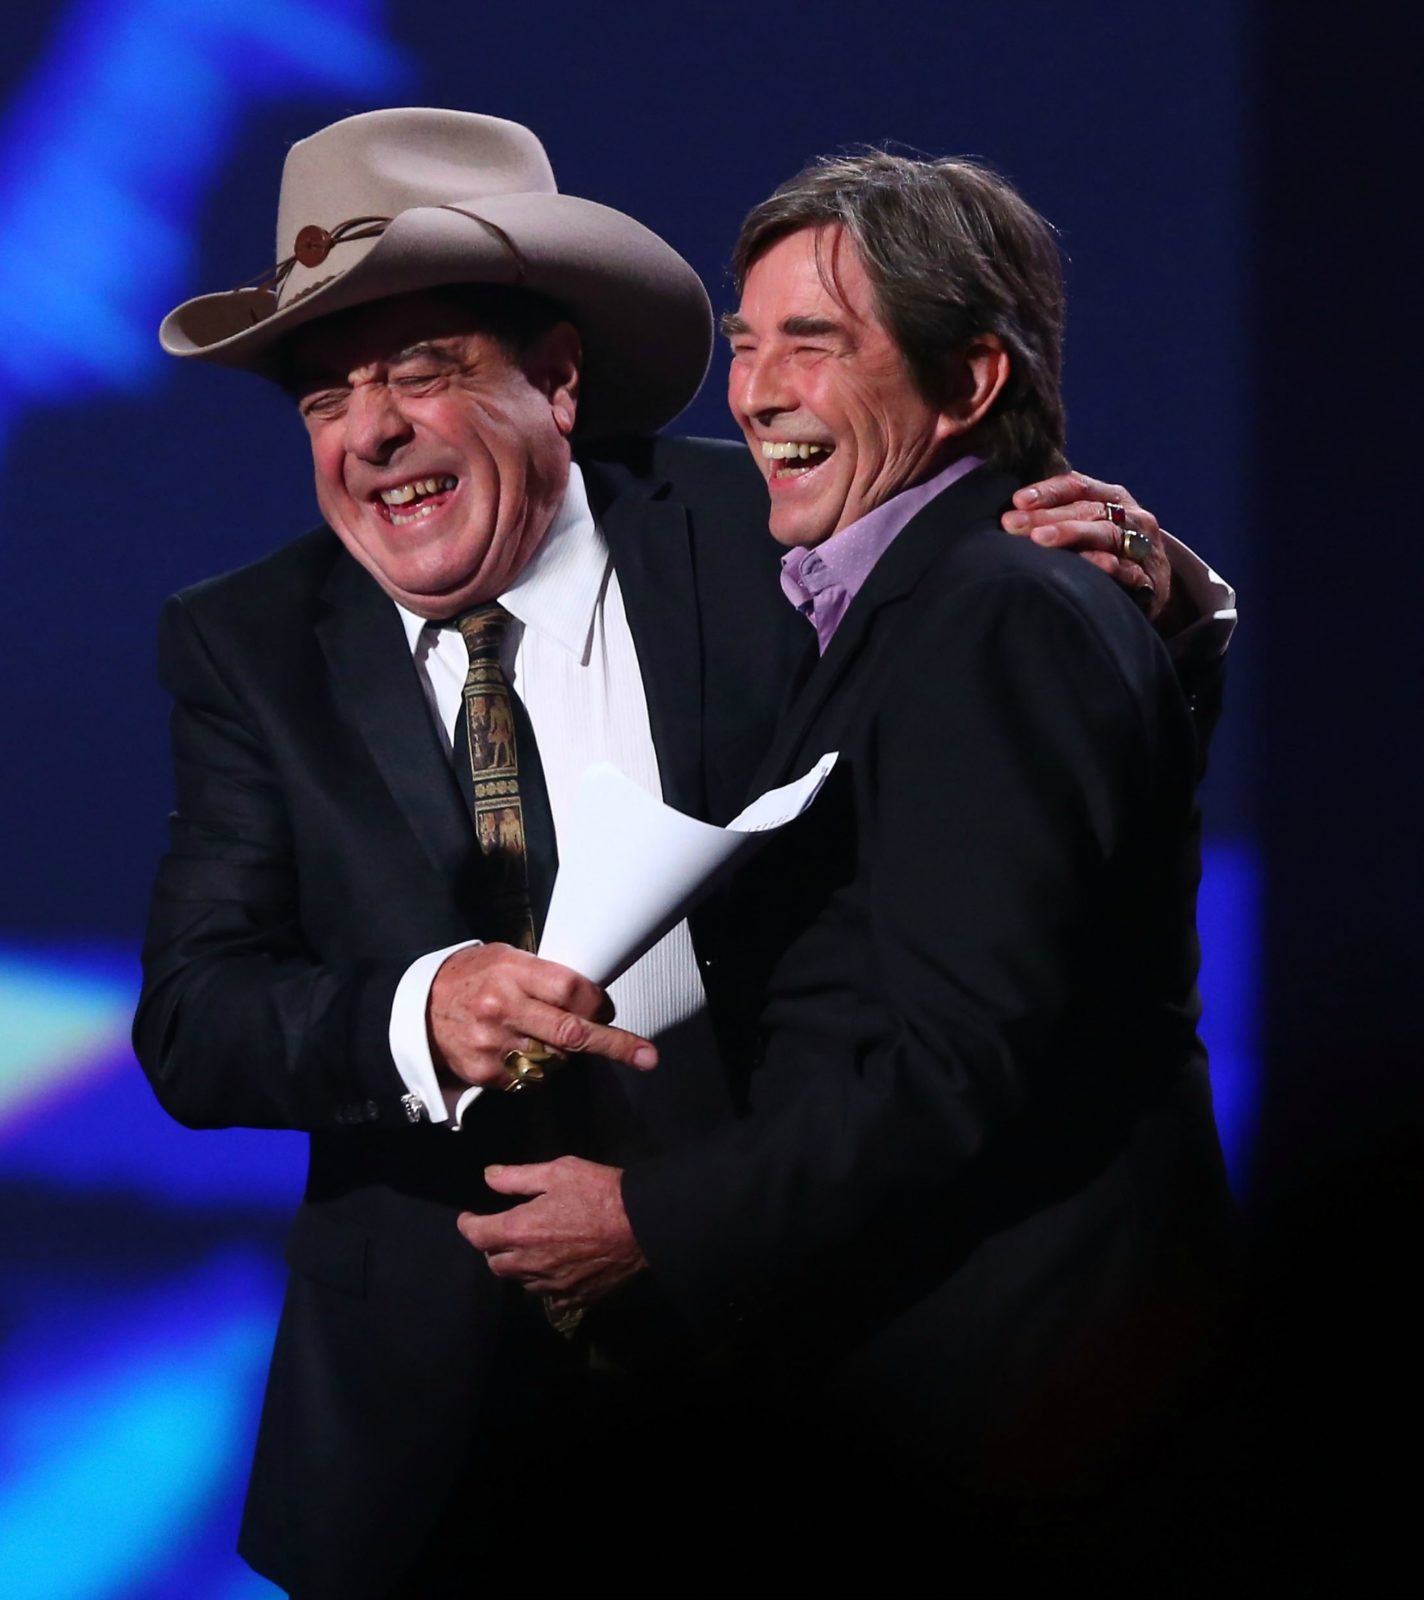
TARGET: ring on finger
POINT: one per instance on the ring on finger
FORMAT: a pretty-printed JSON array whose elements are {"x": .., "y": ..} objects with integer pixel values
[
  {"x": 530, "y": 1066},
  {"x": 1135, "y": 546},
  {"x": 1115, "y": 512}
]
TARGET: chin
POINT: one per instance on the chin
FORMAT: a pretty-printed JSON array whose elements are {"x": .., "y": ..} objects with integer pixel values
[{"x": 797, "y": 531}]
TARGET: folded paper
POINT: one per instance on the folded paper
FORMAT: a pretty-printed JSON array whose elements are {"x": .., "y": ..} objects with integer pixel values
[{"x": 631, "y": 868}]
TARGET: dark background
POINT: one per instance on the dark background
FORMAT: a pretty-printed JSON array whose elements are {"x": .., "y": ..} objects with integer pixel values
[{"x": 1231, "y": 187}]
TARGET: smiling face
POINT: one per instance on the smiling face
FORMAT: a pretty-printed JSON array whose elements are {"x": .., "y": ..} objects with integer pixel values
[
  {"x": 821, "y": 391},
  {"x": 823, "y": 394},
  {"x": 440, "y": 454}
]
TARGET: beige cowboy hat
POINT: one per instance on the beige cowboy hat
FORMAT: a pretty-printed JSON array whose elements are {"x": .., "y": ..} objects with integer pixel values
[{"x": 393, "y": 201}]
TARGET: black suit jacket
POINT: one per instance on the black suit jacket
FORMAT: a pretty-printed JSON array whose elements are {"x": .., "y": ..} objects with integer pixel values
[
  {"x": 976, "y": 1207},
  {"x": 319, "y": 844}
]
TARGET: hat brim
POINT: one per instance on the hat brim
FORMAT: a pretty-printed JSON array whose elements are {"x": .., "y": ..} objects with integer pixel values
[{"x": 641, "y": 310}]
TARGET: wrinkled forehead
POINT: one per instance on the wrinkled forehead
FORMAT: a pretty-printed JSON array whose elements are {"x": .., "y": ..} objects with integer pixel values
[
  {"x": 809, "y": 272},
  {"x": 378, "y": 333}
]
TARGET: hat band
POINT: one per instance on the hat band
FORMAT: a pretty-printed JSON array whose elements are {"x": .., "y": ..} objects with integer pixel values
[{"x": 314, "y": 244}]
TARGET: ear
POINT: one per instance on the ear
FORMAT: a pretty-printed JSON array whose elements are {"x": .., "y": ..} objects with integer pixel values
[
  {"x": 553, "y": 368},
  {"x": 983, "y": 370}
]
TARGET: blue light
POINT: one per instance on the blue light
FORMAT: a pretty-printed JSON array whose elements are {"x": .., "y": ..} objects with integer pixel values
[
  {"x": 109, "y": 150},
  {"x": 75, "y": 1108},
  {"x": 127, "y": 1418},
  {"x": 136, "y": 1333},
  {"x": 1228, "y": 915}
]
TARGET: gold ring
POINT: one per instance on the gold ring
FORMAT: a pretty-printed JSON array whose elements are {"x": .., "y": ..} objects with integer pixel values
[
  {"x": 529, "y": 1066},
  {"x": 1135, "y": 546},
  {"x": 1115, "y": 512}
]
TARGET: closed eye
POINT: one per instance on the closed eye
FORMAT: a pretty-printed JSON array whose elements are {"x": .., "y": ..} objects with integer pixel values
[
  {"x": 416, "y": 382},
  {"x": 324, "y": 403}
]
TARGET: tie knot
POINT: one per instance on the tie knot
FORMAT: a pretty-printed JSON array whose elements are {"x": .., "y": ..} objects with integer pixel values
[{"x": 483, "y": 630}]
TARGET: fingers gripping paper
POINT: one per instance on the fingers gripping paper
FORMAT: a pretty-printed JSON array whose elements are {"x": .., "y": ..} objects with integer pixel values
[{"x": 632, "y": 867}]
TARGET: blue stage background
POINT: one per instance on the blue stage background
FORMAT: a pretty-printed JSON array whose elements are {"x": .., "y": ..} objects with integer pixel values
[{"x": 140, "y": 149}]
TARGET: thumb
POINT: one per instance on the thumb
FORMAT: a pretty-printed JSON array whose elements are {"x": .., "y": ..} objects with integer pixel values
[{"x": 531, "y": 1179}]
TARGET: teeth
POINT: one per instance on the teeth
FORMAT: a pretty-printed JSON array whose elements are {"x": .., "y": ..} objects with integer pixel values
[
  {"x": 413, "y": 490},
  {"x": 790, "y": 448},
  {"x": 415, "y": 516}
]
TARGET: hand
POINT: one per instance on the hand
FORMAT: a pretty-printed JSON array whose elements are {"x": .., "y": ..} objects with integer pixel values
[
  {"x": 489, "y": 999},
  {"x": 571, "y": 1243},
  {"x": 1069, "y": 512}
]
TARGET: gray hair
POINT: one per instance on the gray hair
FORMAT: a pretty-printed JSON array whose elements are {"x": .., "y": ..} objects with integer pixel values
[{"x": 952, "y": 251}]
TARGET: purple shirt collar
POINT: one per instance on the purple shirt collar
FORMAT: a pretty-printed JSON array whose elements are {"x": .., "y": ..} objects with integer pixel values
[{"x": 822, "y": 580}]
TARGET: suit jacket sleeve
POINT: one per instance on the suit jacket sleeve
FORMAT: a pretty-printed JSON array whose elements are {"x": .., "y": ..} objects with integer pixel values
[
  {"x": 1011, "y": 767},
  {"x": 239, "y": 1022},
  {"x": 1201, "y": 637}
]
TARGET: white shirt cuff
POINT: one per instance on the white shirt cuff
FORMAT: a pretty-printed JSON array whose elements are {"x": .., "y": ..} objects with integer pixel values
[
  {"x": 410, "y": 1038},
  {"x": 1213, "y": 599}
]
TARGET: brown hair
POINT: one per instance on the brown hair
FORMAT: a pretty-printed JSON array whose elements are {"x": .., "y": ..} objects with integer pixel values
[{"x": 951, "y": 250}]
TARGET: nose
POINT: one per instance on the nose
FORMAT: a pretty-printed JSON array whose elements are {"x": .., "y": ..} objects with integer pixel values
[
  {"x": 760, "y": 386},
  {"x": 376, "y": 427}
]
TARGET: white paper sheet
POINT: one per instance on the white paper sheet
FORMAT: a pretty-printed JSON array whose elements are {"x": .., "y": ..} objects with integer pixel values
[{"x": 631, "y": 867}]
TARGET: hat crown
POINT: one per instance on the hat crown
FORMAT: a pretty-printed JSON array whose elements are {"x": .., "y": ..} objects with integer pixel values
[
  {"x": 381, "y": 163},
  {"x": 418, "y": 199}
]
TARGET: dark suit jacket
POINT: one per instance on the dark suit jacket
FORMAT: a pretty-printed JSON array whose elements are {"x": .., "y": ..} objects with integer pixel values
[
  {"x": 318, "y": 845},
  {"x": 976, "y": 1210}
]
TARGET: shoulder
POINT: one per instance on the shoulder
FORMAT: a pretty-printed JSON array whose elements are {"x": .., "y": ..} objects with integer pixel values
[
  {"x": 684, "y": 469},
  {"x": 256, "y": 621},
  {"x": 287, "y": 577},
  {"x": 715, "y": 482},
  {"x": 715, "y": 466},
  {"x": 1036, "y": 610}
]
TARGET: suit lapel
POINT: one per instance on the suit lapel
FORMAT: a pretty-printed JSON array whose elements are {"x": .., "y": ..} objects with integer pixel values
[
  {"x": 378, "y": 688},
  {"x": 967, "y": 503},
  {"x": 379, "y": 692},
  {"x": 651, "y": 547}
]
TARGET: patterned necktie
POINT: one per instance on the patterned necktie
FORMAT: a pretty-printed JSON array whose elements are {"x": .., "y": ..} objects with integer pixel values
[
  {"x": 510, "y": 810},
  {"x": 513, "y": 826}
]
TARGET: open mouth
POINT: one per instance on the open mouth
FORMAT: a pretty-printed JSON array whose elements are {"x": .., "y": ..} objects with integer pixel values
[
  {"x": 794, "y": 458},
  {"x": 411, "y": 501}
]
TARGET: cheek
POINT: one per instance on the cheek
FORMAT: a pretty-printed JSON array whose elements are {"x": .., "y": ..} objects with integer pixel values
[
  {"x": 736, "y": 386},
  {"x": 496, "y": 442},
  {"x": 833, "y": 401},
  {"x": 326, "y": 462}
]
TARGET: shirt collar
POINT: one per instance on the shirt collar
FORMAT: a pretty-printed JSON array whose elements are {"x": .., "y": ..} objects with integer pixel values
[
  {"x": 557, "y": 593},
  {"x": 821, "y": 580}
]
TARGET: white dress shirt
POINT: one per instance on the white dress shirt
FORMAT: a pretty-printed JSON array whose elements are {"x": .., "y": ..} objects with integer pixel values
[
  {"x": 1213, "y": 599},
  {"x": 570, "y": 656}
]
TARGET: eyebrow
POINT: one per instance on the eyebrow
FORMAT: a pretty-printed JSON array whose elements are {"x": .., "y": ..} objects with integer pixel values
[
  {"x": 811, "y": 327},
  {"x": 422, "y": 347},
  {"x": 798, "y": 327},
  {"x": 299, "y": 378}
]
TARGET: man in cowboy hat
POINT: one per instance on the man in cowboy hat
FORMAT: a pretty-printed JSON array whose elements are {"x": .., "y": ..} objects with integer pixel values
[{"x": 446, "y": 320}]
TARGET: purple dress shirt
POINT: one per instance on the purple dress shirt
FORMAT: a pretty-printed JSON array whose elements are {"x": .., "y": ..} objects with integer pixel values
[{"x": 822, "y": 580}]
